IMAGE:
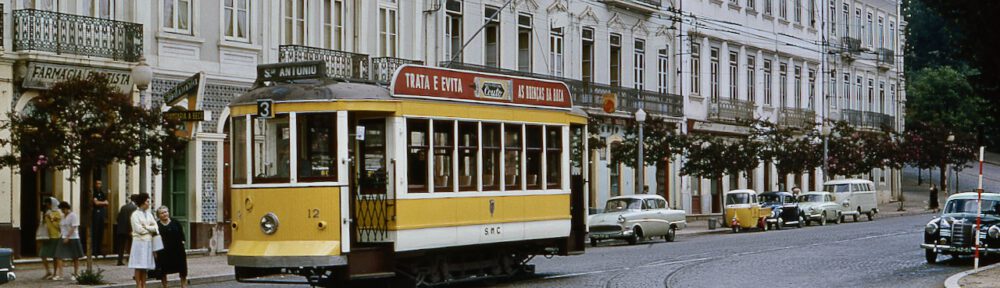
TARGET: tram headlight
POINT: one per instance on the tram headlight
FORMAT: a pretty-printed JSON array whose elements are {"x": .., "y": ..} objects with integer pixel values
[{"x": 269, "y": 223}]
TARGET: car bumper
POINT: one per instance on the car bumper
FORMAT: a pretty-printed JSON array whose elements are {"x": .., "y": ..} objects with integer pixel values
[
  {"x": 612, "y": 235},
  {"x": 7, "y": 276},
  {"x": 958, "y": 250}
]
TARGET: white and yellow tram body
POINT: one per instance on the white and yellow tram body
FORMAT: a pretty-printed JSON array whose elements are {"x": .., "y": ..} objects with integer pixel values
[{"x": 442, "y": 176}]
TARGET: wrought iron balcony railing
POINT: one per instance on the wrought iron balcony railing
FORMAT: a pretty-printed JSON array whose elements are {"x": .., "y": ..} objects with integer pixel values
[
  {"x": 383, "y": 67},
  {"x": 869, "y": 119},
  {"x": 647, "y": 6},
  {"x": 853, "y": 117},
  {"x": 60, "y": 33},
  {"x": 796, "y": 117},
  {"x": 731, "y": 110},
  {"x": 591, "y": 95},
  {"x": 851, "y": 44},
  {"x": 886, "y": 56},
  {"x": 339, "y": 64}
]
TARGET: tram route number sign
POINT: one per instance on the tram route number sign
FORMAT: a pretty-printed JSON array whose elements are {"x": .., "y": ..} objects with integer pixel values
[{"x": 265, "y": 108}]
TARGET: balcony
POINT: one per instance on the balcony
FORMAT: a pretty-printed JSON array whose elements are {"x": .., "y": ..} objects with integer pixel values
[
  {"x": 868, "y": 120},
  {"x": 60, "y": 33},
  {"x": 643, "y": 6},
  {"x": 796, "y": 117},
  {"x": 339, "y": 64},
  {"x": 591, "y": 95},
  {"x": 850, "y": 47},
  {"x": 886, "y": 58},
  {"x": 384, "y": 67},
  {"x": 731, "y": 111}
]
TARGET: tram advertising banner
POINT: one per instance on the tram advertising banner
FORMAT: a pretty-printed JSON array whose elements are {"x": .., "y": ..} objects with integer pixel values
[{"x": 448, "y": 84}]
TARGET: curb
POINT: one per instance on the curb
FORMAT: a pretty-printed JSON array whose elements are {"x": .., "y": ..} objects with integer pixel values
[
  {"x": 191, "y": 281},
  {"x": 952, "y": 282},
  {"x": 190, "y": 252}
]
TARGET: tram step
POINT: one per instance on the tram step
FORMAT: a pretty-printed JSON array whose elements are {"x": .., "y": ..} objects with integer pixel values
[{"x": 370, "y": 262}]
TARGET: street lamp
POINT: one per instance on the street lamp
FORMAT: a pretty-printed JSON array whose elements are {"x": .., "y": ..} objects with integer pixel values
[
  {"x": 142, "y": 75},
  {"x": 826, "y": 151},
  {"x": 951, "y": 139},
  {"x": 640, "y": 116}
]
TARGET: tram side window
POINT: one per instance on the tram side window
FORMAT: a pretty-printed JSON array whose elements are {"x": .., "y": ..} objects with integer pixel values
[
  {"x": 553, "y": 156},
  {"x": 317, "y": 147},
  {"x": 491, "y": 157},
  {"x": 271, "y": 153},
  {"x": 513, "y": 143},
  {"x": 238, "y": 141},
  {"x": 444, "y": 154},
  {"x": 416, "y": 155},
  {"x": 468, "y": 147},
  {"x": 533, "y": 156}
]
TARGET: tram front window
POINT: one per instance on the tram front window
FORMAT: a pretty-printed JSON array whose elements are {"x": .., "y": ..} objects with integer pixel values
[
  {"x": 444, "y": 153},
  {"x": 512, "y": 156},
  {"x": 416, "y": 155},
  {"x": 316, "y": 147},
  {"x": 271, "y": 153},
  {"x": 238, "y": 142}
]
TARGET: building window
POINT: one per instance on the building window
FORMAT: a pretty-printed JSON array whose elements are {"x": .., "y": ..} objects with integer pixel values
[
  {"x": 857, "y": 23},
  {"x": 734, "y": 74},
  {"x": 271, "y": 150},
  {"x": 859, "y": 92},
  {"x": 892, "y": 35},
  {"x": 751, "y": 79},
  {"x": 333, "y": 24},
  {"x": 553, "y": 157},
  {"x": 892, "y": 99},
  {"x": 663, "y": 70},
  {"x": 639, "y": 64},
  {"x": 177, "y": 16},
  {"x": 513, "y": 145},
  {"x": 695, "y": 67},
  {"x": 714, "y": 74},
  {"x": 387, "y": 31},
  {"x": 236, "y": 20},
  {"x": 847, "y": 91},
  {"x": 238, "y": 142},
  {"x": 417, "y": 144},
  {"x": 881, "y": 32},
  {"x": 812, "y": 89},
  {"x": 468, "y": 152},
  {"x": 798, "y": 86},
  {"x": 847, "y": 20},
  {"x": 833, "y": 92},
  {"x": 443, "y": 145},
  {"x": 833, "y": 18},
  {"x": 881, "y": 97},
  {"x": 103, "y": 9},
  {"x": 798, "y": 11},
  {"x": 492, "y": 30},
  {"x": 871, "y": 95},
  {"x": 783, "y": 84},
  {"x": 46, "y": 5},
  {"x": 587, "y": 61},
  {"x": 453, "y": 31},
  {"x": 783, "y": 9},
  {"x": 869, "y": 33},
  {"x": 491, "y": 156},
  {"x": 812, "y": 13},
  {"x": 317, "y": 147},
  {"x": 767, "y": 83},
  {"x": 615, "y": 60},
  {"x": 524, "y": 42},
  {"x": 768, "y": 5},
  {"x": 533, "y": 156},
  {"x": 752, "y": 4},
  {"x": 556, "y": 41}
]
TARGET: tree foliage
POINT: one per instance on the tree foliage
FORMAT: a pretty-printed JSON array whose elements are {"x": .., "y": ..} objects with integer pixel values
[
  {"x": 943, "y": 96},
  {"x": 661, "y": 143}
]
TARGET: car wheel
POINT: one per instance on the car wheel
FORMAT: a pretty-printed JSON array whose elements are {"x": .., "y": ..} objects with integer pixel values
[
  {"x": 593, "y": 242},
  {"x": 822, "y": 220},
  {"x": 871, "y": 215},
  {"x": 801, "y": 219},
  {"x": 671, "y": 234},
  {"x": 780, "y": 224},
  {"x": 763, "y": 224},
  {"x": 635, "y": 236},
  {"x": 840, "y": 218},
  {"x": 930, "y": 255}
]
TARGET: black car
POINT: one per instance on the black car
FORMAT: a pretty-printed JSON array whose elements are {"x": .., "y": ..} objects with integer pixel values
[
  {"x": 6, "y": 265},
  {"x": 784, "y": 209},
  {"x": 953, "y": 232}
]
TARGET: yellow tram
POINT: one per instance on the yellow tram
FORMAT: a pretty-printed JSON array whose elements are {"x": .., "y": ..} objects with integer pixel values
[{"x": 441, "y": 176}]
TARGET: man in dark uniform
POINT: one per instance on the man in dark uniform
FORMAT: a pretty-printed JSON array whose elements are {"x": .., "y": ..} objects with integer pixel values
[
  {"x": 99, "y": 215},
  {"x": 123, "y": 231}
]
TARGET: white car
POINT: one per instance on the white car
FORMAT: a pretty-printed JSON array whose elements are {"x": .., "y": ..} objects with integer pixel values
[
  {"x": 819, "y": 207},
  {"x": 636, "y": 217},
  {"x": 857, "y": 197}
]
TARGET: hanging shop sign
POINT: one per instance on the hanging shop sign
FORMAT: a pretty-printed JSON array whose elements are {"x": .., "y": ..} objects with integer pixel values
[
  {"x": 40, "y": 75},
  {"x": 189, "y": 86},
  {"x": 186, "y": 116},
  {"x": 447, "y": 84}
]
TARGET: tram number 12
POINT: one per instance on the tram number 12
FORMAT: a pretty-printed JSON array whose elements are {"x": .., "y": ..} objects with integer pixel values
[
  {"x": 492, "y": 230},
  {"x": 312, "y": 213}
]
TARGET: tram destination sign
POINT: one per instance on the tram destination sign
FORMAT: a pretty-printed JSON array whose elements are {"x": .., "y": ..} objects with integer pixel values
[
  {"x": 279, "y": 72},
  {"x": 448, "y": 84}
]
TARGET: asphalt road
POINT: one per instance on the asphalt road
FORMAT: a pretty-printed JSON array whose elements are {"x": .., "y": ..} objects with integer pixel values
[{"x": 883, "y": 253}]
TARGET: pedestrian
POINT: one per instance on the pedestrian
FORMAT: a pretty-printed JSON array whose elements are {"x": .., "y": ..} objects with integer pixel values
[
  {"x": 98, "y": 217},
  {"x": 934, "y": 192},
  {"x": 48, "y": 234},
  {"x": 172, "y": 259},
  {"x": 123, "y": 230},
  {"x": 796, "y": 190},
  {"x": 69, "y": 247},
  {"x": 143, "y": 230}
]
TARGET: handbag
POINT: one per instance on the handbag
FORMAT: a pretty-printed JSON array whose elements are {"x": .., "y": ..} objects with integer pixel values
[{"x": 157, "y": 243}]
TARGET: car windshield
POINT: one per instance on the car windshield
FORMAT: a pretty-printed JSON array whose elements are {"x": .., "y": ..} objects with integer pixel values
[
  {"x": 616, "y": 205},
  {"x": 836, "y": 188},
  {"x": 812, "y": 198},
  {"x": 771, "y": 199},
  {"x": 738, "y": 198},
  {"x": 969, "y": 206}
]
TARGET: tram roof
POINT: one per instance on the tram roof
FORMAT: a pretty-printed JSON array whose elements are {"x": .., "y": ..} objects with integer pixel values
[{"x": 314, "y": 90}]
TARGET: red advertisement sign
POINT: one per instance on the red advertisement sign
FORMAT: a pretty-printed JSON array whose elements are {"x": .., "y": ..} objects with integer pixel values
[{"x": 448, "y": 84}]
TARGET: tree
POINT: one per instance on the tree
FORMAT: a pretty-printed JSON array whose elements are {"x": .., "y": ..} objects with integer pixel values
[
  {"x": 943, "y": 96},
  {"x": 712, "y": 157},
  {"x": 926, "y": 146},
  {"x": 85, "y": 124},
  {"x": 793, "y": 150},
  {"x": 844, "y": 150},
  {"x": 661, "y": 143}
]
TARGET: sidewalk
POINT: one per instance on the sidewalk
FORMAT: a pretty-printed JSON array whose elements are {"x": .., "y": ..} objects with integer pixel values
[
  {"x": 987, "y": 277},
  {"x": 201, "y": 269}
]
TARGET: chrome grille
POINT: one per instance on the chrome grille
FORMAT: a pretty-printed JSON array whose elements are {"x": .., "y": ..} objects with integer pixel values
[
  {"x": 961, "y": 234},
  {"x": 605, "y": 228}
]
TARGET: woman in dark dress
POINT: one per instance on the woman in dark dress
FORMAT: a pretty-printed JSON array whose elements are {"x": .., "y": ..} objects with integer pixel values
[{"x": 172, "y": 259}]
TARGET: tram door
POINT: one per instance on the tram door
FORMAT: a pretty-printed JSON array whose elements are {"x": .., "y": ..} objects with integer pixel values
[{"x": 369, "y": 196}]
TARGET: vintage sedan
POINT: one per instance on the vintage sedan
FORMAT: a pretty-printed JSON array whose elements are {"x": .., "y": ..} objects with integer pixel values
[
  {"x": 636, "y": 217},
  {"x": 954, "y": 231},
  {"x": 784, "y": 209},
  {"x": 743, "y": 210},
  {"x": 6, "y": 265},
  {"x": 820, "y": 207}
]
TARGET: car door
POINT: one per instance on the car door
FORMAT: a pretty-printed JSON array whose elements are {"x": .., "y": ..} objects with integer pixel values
[
  {"x": 654, "y": 218},
  {"x": 830, "y": 206}
]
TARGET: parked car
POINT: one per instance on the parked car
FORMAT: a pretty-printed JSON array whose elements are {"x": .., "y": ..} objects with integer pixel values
[
  {"x": 743, "y": 210},
  {"x": 6, "y": 265},
  {"x": 820, "y": 207},
  {"x": 857, "y": 196},
  {"x": 784, "y": 209},
  {"x": 636, "y": 217},
  {"x": 953, "y": 232}
]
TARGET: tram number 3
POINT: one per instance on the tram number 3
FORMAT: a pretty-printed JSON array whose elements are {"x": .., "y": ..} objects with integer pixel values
[
  {"x": 312, "y": 213},
  {"x": 492, "y": 230},
  {"x": 265, "y": 108}
]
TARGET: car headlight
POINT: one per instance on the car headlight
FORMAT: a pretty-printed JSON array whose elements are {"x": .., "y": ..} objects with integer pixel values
[
  {"x": 621, "y": 219},
  {"x": 269, "y": 223},
  {"x": 994, "y": 232},
  {"x": 845, "y": 203},
  {"x": 931, "y": 228},
  {"x": 775, "y": 212}
]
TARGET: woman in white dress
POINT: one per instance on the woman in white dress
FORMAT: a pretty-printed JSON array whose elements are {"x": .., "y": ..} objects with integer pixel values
[{"x": 143, "y": 229}]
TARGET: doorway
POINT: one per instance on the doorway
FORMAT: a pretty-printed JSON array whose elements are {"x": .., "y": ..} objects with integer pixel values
[
  {"x": 175, "y": 190},
  {"x": 368, "y": 172}
]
